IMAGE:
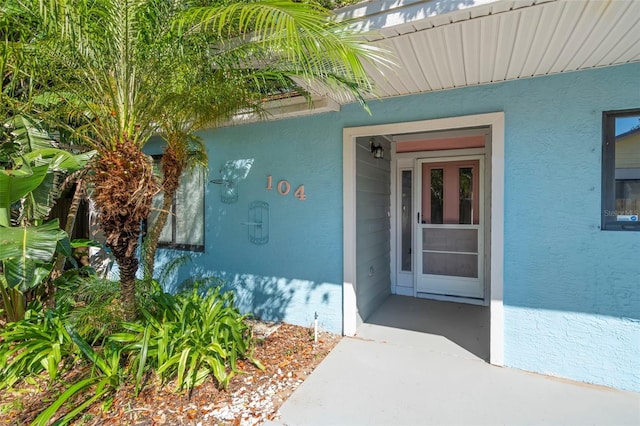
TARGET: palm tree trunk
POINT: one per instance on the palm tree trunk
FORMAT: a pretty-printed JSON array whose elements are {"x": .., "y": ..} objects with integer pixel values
[
  {"x": 172, "y": 167},
  {"x": 153, "y": 235},
  {"x": 123, "y": 190},
  {"x": 128, "y": 267}
]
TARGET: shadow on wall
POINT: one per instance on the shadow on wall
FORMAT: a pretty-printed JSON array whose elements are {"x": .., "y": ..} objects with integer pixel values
[
  {"x": 232, "y": 172},
  {"x": 267, "y": 298},
  {"x": 168, "y": 265},
  {"x": 270, "y": 298}
]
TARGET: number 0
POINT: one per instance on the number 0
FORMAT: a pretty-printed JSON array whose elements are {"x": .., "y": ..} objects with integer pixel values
[{"x": 284, "y": 187}]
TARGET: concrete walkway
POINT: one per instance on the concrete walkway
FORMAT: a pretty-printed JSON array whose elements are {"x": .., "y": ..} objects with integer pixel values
[{"x": 393, "y": 376}]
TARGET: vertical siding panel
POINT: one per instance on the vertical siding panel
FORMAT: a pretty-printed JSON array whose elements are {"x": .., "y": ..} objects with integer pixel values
[
  {"x": 561, "y": 33},
  {"x": 438, "y": 48},
  {"x": 527, "y": 33},
  {"x": 579, "y": 34},
  {"x": 426, "y": 58},
  {"x": 455, "y": 53},
  {"x": 406, "y": 67},
  {"x": 506, "y": 41},
  {"x": 373, "y": 247},
  {"x": 549, "y": 19},
  {"x": 618, "y": 53}
]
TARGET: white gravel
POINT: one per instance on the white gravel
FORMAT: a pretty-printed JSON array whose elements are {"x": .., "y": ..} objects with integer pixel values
[{"x": 255, "y": 407}]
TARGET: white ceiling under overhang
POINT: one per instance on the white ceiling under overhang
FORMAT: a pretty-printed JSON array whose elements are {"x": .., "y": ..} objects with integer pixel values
[{"x": 440, "y": 45}]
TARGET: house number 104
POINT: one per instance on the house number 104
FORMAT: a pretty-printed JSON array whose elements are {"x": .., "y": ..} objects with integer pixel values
[{"x": 284, "y": 187}]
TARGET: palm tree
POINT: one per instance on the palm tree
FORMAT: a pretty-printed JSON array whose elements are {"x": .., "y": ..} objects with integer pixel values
[
  {"x": 204, "y": 96},
  {"x": 120, "y": 57},
  {"x": 199, "y": 97}
]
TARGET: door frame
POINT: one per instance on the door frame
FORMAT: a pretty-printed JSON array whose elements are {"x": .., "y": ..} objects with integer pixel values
[{"x": 494, "y": 166}]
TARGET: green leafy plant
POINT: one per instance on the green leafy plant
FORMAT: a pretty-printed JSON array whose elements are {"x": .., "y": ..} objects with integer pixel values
[
  {"x": 106, "y": 376},
  {"x": 26, "y": 260},
  {"x": 45, "y": 341},
  {"x": 189, "y": 337},
  {"x": 93, "y": 308},
  {"x": 30, "y": 181},
  {"x": 38, "y": 342},
  {"x": 184, "y": 339}
]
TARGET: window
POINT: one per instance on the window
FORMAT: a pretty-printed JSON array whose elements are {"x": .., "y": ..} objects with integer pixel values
[
  {"x": 185, "y": 225},
  {"x": 621, "y": 170}
]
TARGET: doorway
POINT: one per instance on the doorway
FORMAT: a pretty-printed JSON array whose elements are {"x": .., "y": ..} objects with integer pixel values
[{"x": 469, "y": 269}]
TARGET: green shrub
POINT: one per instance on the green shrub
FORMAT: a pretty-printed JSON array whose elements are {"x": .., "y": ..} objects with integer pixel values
[
  {"x": 94, "y": 310},
  {"x": 186, "y": 338},
  {"x": 189, "y": 337},
  {"x": 38, "y": 342},
  {"x": 105, "y": 377}
]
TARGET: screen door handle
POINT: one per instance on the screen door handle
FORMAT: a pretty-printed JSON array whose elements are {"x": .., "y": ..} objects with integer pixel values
[{"x": 418, "y": 217}]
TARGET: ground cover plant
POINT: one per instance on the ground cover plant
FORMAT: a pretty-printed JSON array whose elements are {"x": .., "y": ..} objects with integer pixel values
[
  {"x": 181, "y": 339},
  {"x": 288, "y": 353}
]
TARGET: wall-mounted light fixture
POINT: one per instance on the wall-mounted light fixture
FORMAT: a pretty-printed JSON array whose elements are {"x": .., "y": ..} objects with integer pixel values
[
  {"x": 228, "y": 191},
  {"x": 231, "y": 173},
  {"x": 376, "y": 150}
]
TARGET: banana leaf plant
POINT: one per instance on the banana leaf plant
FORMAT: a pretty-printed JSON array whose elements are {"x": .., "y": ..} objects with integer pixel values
[
  {"x": 26, "y": 254},
  {"x": 28, "y": 147},
  {"x": 30, "y": 180},
  {"x": 25, "y": 251}
]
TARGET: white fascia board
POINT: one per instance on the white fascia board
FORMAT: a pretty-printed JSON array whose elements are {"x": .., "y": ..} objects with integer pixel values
[
  {"x": 381, "y": 14},
  {"x": 287, "y": 108}
]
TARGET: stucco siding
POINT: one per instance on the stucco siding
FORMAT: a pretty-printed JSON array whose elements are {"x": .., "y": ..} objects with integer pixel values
[
  {"x": 565, "y": 280},
  {"x": 298, "y": 272},
  {"x": 600, "y": 349}
]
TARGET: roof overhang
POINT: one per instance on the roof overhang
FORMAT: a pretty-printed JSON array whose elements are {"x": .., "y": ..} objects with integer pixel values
[{"x": 444, "y": 44}]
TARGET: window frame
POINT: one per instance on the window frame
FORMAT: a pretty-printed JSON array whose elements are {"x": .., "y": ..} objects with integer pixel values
[
  {"x": 608, "y": 190},
  {"x": 173, "y": 220}
]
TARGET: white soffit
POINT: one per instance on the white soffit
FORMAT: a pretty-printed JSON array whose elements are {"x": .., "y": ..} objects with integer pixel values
[{"x": 440, "y": 45}]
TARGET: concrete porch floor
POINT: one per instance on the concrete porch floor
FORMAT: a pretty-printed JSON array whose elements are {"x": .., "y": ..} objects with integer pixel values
[{"x": 420, "y": 362}]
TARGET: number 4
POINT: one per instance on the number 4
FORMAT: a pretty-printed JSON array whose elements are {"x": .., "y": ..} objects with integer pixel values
[{"x": 299, "y": 194}]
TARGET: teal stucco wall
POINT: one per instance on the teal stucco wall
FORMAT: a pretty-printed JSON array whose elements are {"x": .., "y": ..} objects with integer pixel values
[
  {"x": 298, "y": 273},
  {"x": 571, "y": 291}
]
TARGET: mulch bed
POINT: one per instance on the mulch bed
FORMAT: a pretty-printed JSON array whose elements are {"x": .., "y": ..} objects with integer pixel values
[{"x": 288, "y": 353}]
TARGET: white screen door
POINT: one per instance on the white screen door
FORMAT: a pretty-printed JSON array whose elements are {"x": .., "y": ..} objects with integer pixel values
[{"x": 450, "y": 244}]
